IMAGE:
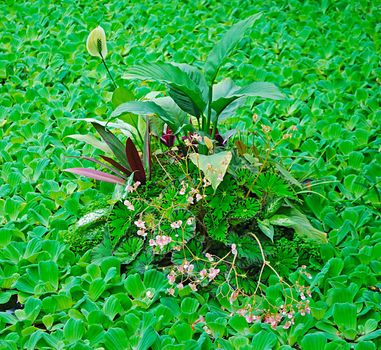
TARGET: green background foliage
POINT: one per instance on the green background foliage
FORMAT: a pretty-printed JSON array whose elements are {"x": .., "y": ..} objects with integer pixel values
[{"x": 324, "y": 56}]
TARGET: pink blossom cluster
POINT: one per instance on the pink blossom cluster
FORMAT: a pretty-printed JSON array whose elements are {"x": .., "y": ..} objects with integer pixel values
[
  {"x": 134, "y": 187},
  {"x": 142, "y": 227},
  {"x": 160, "y": 241}
]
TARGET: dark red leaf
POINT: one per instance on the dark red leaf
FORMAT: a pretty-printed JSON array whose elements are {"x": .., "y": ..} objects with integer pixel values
[{"x": 135, "y": 162}]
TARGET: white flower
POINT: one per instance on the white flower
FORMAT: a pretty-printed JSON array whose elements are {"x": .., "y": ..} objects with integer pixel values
[{"x": 96, "y": 43}]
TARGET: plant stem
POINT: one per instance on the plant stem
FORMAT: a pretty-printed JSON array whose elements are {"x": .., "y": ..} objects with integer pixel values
[
  {"x": 109, "y": 74},
  {"x": 209, "y": 116}
]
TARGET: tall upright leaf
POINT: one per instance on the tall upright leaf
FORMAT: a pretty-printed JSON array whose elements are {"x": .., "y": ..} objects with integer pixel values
[
  {"x": 225, "y": 46},
  {"x": 114, "y": 143},
  {"x": 147, "y": 157},
  {"x": 180, "y": 84}
]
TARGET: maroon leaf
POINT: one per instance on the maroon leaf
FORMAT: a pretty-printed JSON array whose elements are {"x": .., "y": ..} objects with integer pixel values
[
  {"x": 116, "y": 165},
  {"x": 168, "y": 138},
  {"x": 115, "y": 171},
  {"x": 97, "y": 175},
  {"x": 135, "y": 161}
]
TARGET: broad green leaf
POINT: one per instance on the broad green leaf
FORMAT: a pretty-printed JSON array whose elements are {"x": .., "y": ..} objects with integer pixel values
[
  {"x": 134, "y": 285},
  {"x": 73, "y": 330},
  {"x": 116, "y": 339},
  {"x": 197, "y": 76},
  {"x": 48, "y": 271},
  {"x": 225, "y": 46},
  {"x": 234, "y": 92},
  {"x": 264, "y": 341},
  {"x": 314, "y": 341},
  {"x": 182, "y": 332},
  {"x": 370, "y": 325},
  {"x": 183, "y": 90},
  {"x": 365, "y": 345},
  {"x": 112, "y": 307},
  {"x": 96, "y": 288},
  {"x": 213, "y": 166},
  {"x": 147, "y": 339},
  {"x": 121, "y": 95},
  {"x": 179, "y": 118},
  {"x": 155, "y": 279},
  {"x": 345, "y": 316}
]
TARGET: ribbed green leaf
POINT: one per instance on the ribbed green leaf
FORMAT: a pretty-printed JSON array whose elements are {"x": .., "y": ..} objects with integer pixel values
[
  {"x": 315, "y": 341},
  {"x": 345, "y": 316},
  {"x": 97, "y": 287},
  {"x": 148, "y": 338},
  {"x": 134, "y": 285},
  {"x": 73, "y": 330},
  {"x": 116, "y": 339},
  {"x": 264, "y": 341}
]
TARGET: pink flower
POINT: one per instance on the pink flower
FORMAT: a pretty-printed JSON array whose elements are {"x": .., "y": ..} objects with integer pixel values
[
  {"x": 180, "y": 286},
  {"x": 171, "y": 278},
  {"x": 140, "y": 224},
  {"x": 234, "y": 249},
  {"x": 213, "y": 273},
  {"x": 128, "y": 205},
  {"x": 190, "y": 200},
  {"x": 287, "y": 325},
  {"x": 193, "y": 287},
  {"x": 142, "y": 233},
  {"x": 199, "y": 197},
  {"x": 209, "y": 257},
  {"x": 170, "y": 291},
  {"x": 149, "y": 294},
  {"x": 152, "y": 243},
  {"x": 203, "y": 273},
  {"x": 162, "y": 241}
]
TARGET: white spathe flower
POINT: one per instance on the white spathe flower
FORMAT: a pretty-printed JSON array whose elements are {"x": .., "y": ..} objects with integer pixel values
[{"x": 96, "y": 43}]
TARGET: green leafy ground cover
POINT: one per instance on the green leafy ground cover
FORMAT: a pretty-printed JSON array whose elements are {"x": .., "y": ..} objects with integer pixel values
[{"x": 324, "y": 56}]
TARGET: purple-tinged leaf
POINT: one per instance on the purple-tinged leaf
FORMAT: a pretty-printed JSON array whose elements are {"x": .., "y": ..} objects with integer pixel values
[
  {"x": 116, "y": 165},
  {"x": 96, "y": 175},
  {"x": 135, "y": 161},
  {"x": 115, "y": 171},
  {"x": 114, "y": 143},
  {"x": 147, "y": 158}
]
